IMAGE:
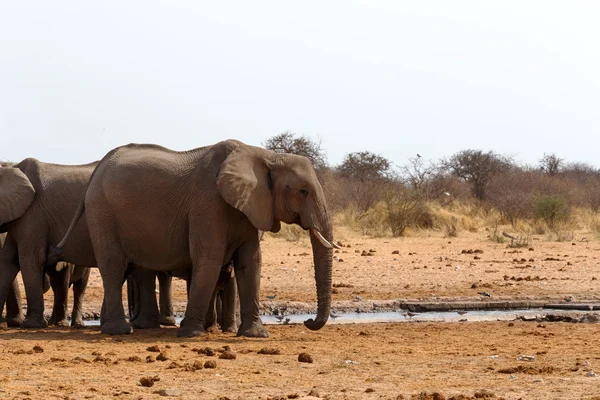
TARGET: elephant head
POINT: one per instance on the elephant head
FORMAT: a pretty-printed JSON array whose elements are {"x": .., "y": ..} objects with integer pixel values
[
  {"x": 16, "y": 193},
  {"x": 270, "y": 188}
]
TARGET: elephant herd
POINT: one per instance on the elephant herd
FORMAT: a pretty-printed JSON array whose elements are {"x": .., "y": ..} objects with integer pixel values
[{"x": 145, "y": 211}]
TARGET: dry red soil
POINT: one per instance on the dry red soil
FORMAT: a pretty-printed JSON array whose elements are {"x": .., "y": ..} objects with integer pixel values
[{"x": 414, "y": 360}]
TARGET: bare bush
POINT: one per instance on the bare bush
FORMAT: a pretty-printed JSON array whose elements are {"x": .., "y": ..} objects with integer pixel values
[
  {"x": 551, "y": 164},
  {"x": 417, "y": 175},
  {"x": 511, "y": 194},
  {"x": 477, "y": 168}
]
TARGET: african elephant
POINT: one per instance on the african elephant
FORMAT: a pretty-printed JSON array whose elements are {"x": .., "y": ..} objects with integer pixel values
[
  {"x": 37, "y": 201},
  {"x": 210, "y": 203}
]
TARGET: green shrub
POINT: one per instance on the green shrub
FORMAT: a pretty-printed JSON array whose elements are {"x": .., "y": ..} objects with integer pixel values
[
  {"x": 552, "y": 209},
  {"x": 405, "y": 209}
]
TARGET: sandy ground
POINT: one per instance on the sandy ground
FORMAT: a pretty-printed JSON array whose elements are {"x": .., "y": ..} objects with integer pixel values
[{"x": 350, "y": 361}]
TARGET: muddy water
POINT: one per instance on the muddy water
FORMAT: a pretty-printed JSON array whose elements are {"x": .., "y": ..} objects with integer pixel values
[{"x": 403, "y": 316}]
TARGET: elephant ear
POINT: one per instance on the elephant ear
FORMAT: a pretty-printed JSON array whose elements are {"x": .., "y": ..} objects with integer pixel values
[
  {"x": 243, "y": 181},
  {"x": 16, "y": 193}
]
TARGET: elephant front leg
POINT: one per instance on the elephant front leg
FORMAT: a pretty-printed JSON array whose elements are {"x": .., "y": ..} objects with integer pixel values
[
  {"x": 165, "y": 299},
  {"x": 59, "y": 281},
  {"x": 14, "y": 312},
  {"x": 79, "y": 287},
  {"x": 204, "y": 279},
  {"x": 32, "y": 272},
  {"x": 247, "y": 263}
]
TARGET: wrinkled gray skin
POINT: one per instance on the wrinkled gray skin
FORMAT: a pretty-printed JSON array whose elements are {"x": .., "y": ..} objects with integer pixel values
[
  {"x": 210, "y": 203},
  {"x": 37, "y": 202}
]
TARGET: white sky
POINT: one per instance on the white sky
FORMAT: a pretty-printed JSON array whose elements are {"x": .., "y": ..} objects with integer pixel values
[{"x": 393, "y": 77}]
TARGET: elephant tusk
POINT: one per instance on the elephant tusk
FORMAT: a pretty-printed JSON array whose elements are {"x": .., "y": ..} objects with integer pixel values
[{"x": 323, "y": 241}]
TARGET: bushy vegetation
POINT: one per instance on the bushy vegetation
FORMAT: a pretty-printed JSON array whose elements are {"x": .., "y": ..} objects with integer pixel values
[{"x": 467, "y": 191}]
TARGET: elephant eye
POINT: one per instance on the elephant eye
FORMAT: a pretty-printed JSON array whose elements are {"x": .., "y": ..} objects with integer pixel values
[{"x": 304, "y": 192}]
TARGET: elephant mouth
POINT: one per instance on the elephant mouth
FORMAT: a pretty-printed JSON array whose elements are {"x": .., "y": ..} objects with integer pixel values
[{"x": 323, "y": 241}]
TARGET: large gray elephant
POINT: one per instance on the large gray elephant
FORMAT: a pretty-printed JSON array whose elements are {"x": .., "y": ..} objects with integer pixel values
[
  {"x": 37, "y": 202},
  {"x": 210, "y": 203}
]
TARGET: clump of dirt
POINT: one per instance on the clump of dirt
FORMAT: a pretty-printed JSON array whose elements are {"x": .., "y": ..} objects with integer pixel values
[
  {"x": 134, "y": 359},
  {"x": 269, "y": 351},
  {"x": 529, "y": 370},
  {"x": 207, "y": 351},
  {"x": 228, "y": 355},
  {"x": 162, "y": 357},
  {"x": 148, "y": 381},
  {"x": 38, "y": 349},
  {"x": 305, "y": 358},
  {"x": 154, "y": 349},
  {"x": 210, "y": 364},
  {"x": 150, "y": 359}
]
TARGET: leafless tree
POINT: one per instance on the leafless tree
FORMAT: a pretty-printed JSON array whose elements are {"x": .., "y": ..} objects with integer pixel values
[
  {"x": 551, "y": 164},
  {"x": 477, "y": 168},
  {"x": 418, "y": 176},
  {"x": 287, "y": 142}
]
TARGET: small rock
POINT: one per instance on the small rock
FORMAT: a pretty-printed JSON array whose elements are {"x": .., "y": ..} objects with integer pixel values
[
  {"x": 305, "y": 358},
  {"x": 396, "y": 252},
  {"x": 154, "y": 349},
  {"x": 135, "y": 359},
  {"x": 150, "y": 359},
  {"x": 173, "y": 365},
  {"x": 210, "y": 364},
  {"x": 162, "y": 357},
  {"x": 369, "y": 390},
  {"x": 38, "y": 349},
  {"x": 198, "y": 365}
]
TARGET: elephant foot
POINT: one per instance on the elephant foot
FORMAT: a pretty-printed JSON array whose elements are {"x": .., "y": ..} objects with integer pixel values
[
  {"x": 189, "y": 330},
  {"x": 230, "y": 329},
  {"x": 62, "y": 322},
  {"x": 34, "y": 322},
  {"x": 256, "y": 329},
  {"x": 117, "y": 327},
  {"x": 77, "y": 323},
  {"x": 168, "y": 320},
  {"x": 16, "y": 321},
  {"x": 145, "y": 323}
]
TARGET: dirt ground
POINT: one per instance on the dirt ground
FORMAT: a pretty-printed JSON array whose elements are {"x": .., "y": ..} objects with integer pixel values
[{"x": 414, "y": 359}]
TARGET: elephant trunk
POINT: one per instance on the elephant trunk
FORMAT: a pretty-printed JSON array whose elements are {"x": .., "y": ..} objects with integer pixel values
[{"x": 323, "y": 258}]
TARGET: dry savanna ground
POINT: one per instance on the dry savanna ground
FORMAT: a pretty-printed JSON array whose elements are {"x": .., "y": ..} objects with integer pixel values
[{"x": 356, "y": 361}]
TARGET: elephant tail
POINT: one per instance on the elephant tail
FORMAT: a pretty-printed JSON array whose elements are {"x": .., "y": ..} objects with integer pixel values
[{"x": 58, "y": 249}]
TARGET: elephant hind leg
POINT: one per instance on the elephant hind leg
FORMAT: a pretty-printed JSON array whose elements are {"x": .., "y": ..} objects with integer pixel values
[
  {"x": 59, "y": 281},
  {"x": 167, "y": 316},
  {"x": 14, "y": 312},
  {"x": 112, "y": 269},
  {"x": 79, "y": 287}
]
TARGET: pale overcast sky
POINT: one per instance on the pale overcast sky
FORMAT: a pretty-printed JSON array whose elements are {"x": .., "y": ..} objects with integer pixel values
[{"x": 393, "y": 77}]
